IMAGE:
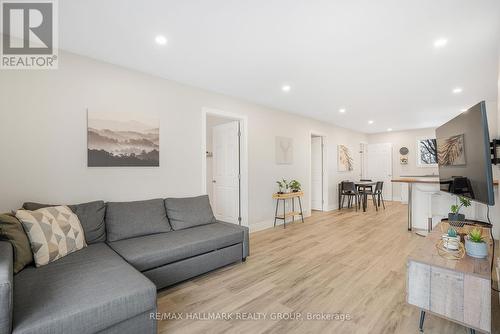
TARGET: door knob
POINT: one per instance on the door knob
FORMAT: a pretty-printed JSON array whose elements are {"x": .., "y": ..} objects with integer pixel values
[{"x": 214, "y": 181}]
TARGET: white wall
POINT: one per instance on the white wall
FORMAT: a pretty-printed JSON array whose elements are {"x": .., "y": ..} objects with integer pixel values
[
  {"x": 43, "y": 138},
  {"x": 407, "y": 139}
]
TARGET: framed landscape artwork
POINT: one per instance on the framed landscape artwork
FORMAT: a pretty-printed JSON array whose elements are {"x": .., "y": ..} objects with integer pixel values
[
  {"x": 117, "y": 139},
  {"x": 345, "y": 161}
]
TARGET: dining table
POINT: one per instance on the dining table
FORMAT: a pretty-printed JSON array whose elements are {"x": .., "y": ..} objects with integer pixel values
[{"x": 360, "y": 185}]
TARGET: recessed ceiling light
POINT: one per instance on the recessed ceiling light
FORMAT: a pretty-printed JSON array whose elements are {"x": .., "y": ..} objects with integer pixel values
[
  {"x": 161, "y": 40},
  {"x": 371, "y": 122},
  {"x": 286, "y": 88},
  {"x": 457, "y": 90},
  {"x": 389, "y": 129},
  {"x": 439, "y": 43},
  {"x": 342, "y": 110}
]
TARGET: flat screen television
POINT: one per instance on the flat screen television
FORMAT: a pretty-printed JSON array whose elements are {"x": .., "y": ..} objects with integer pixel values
[{"x": 463, "y": 156}]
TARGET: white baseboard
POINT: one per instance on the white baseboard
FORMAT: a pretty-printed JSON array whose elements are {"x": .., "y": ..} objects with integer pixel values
[
  {"x": 269, "y": 223},
  {"x": 395, "y": 199},
  {"x": 263, "y": 225},
  {"x": 332, "y": 208}
]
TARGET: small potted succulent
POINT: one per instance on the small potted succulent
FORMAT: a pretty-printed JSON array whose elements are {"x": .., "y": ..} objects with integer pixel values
[
  {"x": 451, "y": 240},
  {"x": 455, "y": 215},
  {"x": 475, "y": 245},
  {"x": 283, "y": 186},
  {"x": 295, "y": 186}
]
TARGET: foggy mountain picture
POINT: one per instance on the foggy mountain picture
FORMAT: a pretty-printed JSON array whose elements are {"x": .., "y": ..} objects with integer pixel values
[{"x": 122, "y": 140}]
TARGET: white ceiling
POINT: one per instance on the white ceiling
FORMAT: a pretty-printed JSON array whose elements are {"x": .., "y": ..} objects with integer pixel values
[{"x": 374, "y": 58}]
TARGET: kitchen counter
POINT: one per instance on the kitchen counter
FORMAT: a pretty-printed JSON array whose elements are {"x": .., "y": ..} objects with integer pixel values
[
  {"x": 417, "y": 179},
  {"x": 426, "y": 203},
  {"x": 423, "y": 179}
]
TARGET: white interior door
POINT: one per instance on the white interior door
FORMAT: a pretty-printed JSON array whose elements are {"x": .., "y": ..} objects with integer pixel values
[
  {"x": 317, "y": 173},
  {"x": 379, "y": 166},
  {"x": 226, "y": 171}
]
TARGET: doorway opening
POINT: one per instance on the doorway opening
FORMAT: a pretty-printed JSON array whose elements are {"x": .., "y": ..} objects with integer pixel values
[
  {"x": 319, "y": 188},
  {"x": 224, "y": 171}
]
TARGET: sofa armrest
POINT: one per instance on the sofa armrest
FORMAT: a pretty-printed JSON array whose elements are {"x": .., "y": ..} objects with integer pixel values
[
  {"x": 246, "y": 239},
  {"x": 6, "y": 286}
]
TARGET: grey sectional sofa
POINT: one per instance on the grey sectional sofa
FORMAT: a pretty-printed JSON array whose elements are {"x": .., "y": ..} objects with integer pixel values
[{"x": 134, "y": 248}]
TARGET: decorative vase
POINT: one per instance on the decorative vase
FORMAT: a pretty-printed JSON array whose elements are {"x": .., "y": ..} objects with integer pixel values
[
  {"x": 451, "y": 243},
  {"x": 456, "y": 217},
  {"x": 478, "y": 250}
]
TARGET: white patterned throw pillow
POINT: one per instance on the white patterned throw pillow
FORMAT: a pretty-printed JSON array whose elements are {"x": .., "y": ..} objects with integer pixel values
[{"x": 53, "y": 232}]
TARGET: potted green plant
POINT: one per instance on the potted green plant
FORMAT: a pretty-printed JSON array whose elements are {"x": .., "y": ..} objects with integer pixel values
[
  {"x": 295, "y": 186},
  {"x": 283, "y": 186},
  {"x": 455, "y": 215},
  {"x": 475, "y": 245}
]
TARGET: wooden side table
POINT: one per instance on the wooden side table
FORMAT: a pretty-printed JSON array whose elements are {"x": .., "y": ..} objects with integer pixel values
[
  {"x": 457, "y": 290},
  {"x": 293, "y": 213}
]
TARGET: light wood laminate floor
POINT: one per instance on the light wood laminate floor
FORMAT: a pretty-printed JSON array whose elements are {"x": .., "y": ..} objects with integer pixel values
[{"x": 341, "y": 261}]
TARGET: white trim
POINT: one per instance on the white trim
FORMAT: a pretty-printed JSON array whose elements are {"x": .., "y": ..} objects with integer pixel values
[
  {"x": 362, "y": 158},
  {"x": 263, "y": 225},
  {"x": 269, "y": 223},
  {"x": 243, "y": 155},
  {"x": 332, "y": 208},
  {"x": 324, "y": 141}
]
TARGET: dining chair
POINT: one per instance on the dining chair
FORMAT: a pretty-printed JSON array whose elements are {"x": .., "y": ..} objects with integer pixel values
[
  {"x": 379, "y": 192},
  {"x": 377, "y": 195},
  {"x": 348, "y": 188}
]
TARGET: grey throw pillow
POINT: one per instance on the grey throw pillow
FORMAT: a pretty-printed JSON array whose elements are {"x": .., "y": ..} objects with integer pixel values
[
  {"x": 133, "y": 219},
  {"x": 189, "y": 212},
  {"x": 91, "y": 216}
]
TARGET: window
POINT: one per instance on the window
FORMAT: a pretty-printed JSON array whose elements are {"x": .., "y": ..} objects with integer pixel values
[{"x": 426, "y": 152}]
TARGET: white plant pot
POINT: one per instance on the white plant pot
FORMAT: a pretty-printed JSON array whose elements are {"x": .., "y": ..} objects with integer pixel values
[{"x": 478, "y": 250}]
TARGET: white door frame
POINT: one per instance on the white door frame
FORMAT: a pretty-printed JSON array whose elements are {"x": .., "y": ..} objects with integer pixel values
[
  {"x": 243, "y": 155},
  {"x": 326, "y": 206},
  {"x": 362, "y": 151}
]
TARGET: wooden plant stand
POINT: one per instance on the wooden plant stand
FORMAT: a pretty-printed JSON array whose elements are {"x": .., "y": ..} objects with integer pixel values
[{"x": 288, "y": 196}]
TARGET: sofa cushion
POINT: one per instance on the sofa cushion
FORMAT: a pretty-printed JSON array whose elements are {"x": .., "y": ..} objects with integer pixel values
[
  {"x": 189, "y": 212},
  {"x": 91, "y": 217},
  {"x": 84, "y": 292},
  {"x": 6, "y": 286},
  {"x": 54, "y": 232},
  {"x": 156, "y": 250},
  {"x": 133, "y": 219},
  {"x": 12, "y": 231}
]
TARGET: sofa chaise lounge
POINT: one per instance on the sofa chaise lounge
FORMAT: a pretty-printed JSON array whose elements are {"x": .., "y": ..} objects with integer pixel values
[{"x": 134, "y": 249}]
